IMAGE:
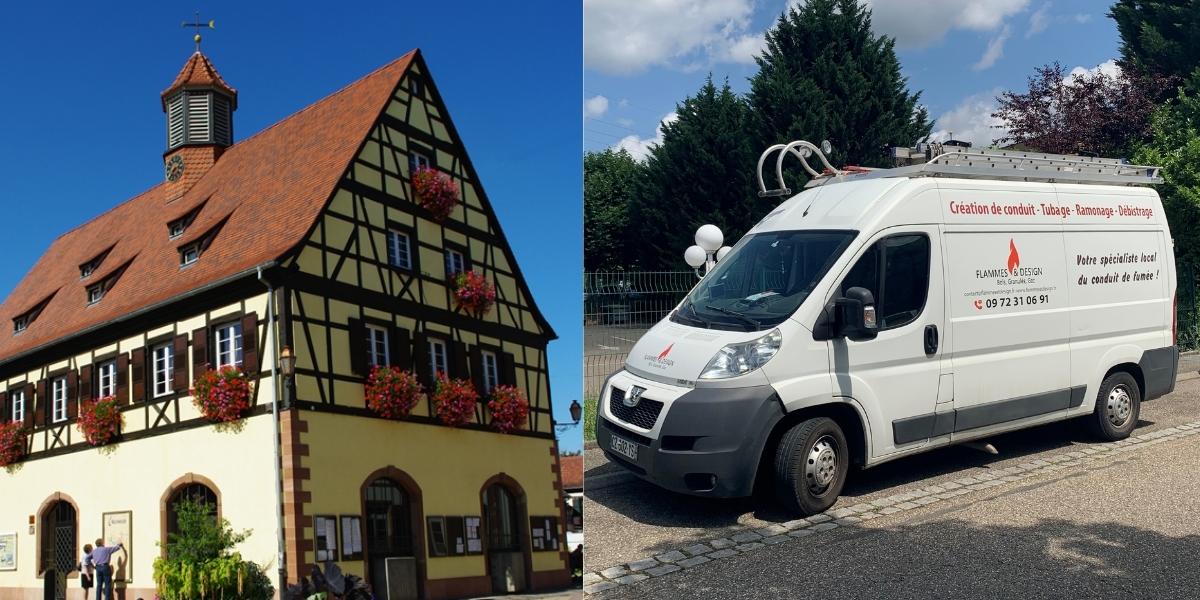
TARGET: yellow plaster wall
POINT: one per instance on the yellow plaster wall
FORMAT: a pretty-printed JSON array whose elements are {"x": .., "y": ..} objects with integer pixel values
[
  {"x": 450, "y": 465},
  {"x": 133, "y": 476}
]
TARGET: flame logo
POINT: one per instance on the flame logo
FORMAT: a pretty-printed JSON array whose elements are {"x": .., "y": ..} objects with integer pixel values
[
  {"x": 1014, "y": 259},
  {"x": 666, "y": 352}
]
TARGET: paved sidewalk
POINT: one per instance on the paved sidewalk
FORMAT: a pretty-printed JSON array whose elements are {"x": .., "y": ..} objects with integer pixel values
[
  {"x": 572, "y": 594},
  {"x": 1119, "y": 521}
]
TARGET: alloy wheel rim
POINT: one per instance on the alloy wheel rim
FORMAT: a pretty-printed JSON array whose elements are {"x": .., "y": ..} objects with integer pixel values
[{"x": 820, "y": 466}]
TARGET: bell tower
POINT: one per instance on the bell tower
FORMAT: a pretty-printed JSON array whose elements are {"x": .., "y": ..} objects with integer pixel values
[{"x": 199, "y": 106}]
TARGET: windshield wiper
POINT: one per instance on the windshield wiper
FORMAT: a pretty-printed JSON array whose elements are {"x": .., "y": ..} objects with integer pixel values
[
  {"x": 696, "y": 316},
  {"x": 734, "y": 313}
]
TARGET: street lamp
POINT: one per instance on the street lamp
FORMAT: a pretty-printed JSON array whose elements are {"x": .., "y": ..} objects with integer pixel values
[
  {"x": 576, "y": 413},
  {"x": 707, "y": 251},
  {"x": 287, "y": 362}
]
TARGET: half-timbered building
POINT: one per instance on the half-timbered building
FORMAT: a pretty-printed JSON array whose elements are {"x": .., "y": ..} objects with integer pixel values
[{"x": 304, "y": 238}]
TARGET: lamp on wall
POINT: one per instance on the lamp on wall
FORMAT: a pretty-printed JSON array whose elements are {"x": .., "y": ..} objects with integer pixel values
[
  {"x": 576, "y": 411},
  {"x": 287, "y": 362}
]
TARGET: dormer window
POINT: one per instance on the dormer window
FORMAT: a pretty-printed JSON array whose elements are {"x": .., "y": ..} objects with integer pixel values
[
  {"x": 88, "y": 268},
  {"x": 95, "y": 293},
  {"x": 176, "y": 229},
  {"x": 22, "y": 321},
  {"x": 20, "y": 324},
  {"x": 189, "y": 254}
]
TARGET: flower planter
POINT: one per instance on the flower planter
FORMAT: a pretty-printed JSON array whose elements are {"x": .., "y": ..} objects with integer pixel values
[
  {"x": 100, "y": 420},
  {"x": 12, "y": 443},
  {"x": 509, "y": 408},
  {"x": 435, "y": 191},
  {"x": 474, "y": 293},
  {"x": 454, "y": 401},
  {"x": 392, "y": 393},
  {"x": 222, "y": 396}
]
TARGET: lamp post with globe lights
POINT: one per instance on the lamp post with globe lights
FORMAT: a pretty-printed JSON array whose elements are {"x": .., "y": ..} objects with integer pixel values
[{"x": 707, "y": 251}]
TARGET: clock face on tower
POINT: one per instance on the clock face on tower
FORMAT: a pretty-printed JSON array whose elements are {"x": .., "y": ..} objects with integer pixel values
[{"x": 174, "y": 168}]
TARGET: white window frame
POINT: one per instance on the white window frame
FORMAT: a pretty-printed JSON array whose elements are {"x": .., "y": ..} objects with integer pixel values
[
  {"x": 95, "y": 294},
  {"x": 20, "y": 324},
  {"x": 87, "y": 270},
  {"x": 163, "y": 368},
  {"x": 18, "y": 406},
  {"x": 491, "y": 370},
  {"x": 192, "y": 250},
  {"x": 230, "y": 343},
  {"x": 394, "y": 238},
  {"x": 417, "y": 159},
  {"x": 58, "y": 395},
  {"x": 439, "y": 357},
  {"x": 106, "y": 379},
  {"x": 175, "y": 230},
  {"x": 451, "y": 255},
  {"x": 378, "y": 352}
]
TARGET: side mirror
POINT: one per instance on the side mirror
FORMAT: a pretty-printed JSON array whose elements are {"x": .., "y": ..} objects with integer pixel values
[{"x": 856, "y": 319}]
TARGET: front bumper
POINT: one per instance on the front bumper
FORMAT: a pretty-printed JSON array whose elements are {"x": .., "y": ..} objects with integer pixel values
[{"x": 706, "y": 441}]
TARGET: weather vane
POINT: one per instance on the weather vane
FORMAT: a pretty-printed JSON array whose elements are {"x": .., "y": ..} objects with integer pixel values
[{"x": 198, "y": 25}]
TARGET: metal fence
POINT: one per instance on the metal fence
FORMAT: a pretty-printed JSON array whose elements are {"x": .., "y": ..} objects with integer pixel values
[{"x": 618, "y": 307}]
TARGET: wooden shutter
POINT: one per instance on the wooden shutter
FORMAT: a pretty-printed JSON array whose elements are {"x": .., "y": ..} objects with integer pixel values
[
  {"x": 30, "y": 408},
  {"x": 476, "y": 359},
  {"x": 421, "y": 360},
  {"x": 358, "y": 347},
  {"x": 508, "y": 368},
  {"x": 250, "y": 364},
  {"x": 72, "y": 394},
  {"x": 43, "y": 405},
  {"x": 458, "y": 361},
  {"x": 140, "y": 375},
  {"x": 401, "y": 348},
  {"x": 200, "y": 350},
  {"x": 85, "y": 383},
  {"x": 5, "y": 409},
  {"x": 122, "y": 379},
  {"x": 179, "y": 380}
]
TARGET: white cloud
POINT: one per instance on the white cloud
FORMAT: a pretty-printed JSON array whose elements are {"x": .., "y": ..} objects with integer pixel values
[
  {"x": 744, "y": 49},
  {"x": 625, "y": 122},
  {"x": 1108, "y": 67},
  {"x": 595, "y": 106},
  {"x": 629, "y": 36},
  {"x": 917, "y": 24},
  {"x": 1081, "y": 18},
  {"x": 971, "y": 120},
  {"x": 993, "y": 52},
  {"x": 638, "y": 146},
  {"x": 1039, "y": 21}
]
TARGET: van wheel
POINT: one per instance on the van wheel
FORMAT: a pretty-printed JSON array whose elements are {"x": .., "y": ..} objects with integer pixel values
[
  {"x": 1117, "y": 407},
  {"x": 810, "y": 466}
]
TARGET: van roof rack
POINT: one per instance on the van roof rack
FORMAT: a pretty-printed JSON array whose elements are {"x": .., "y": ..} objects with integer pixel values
[{"x": 943, "y": 160}]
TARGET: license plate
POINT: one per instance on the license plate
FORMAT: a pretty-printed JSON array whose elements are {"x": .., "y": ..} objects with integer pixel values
[{"x": 623, "y": 447}]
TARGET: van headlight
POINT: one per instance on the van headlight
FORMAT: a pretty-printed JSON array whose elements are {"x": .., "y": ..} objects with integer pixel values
[{"x": 739, "y": 359}]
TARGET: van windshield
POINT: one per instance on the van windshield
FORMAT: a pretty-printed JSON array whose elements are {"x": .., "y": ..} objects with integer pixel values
[{"x": 763, "y": 280}]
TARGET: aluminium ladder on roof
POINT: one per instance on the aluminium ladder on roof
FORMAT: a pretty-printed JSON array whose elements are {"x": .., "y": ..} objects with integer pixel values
[{"x": 960, "y": 162}]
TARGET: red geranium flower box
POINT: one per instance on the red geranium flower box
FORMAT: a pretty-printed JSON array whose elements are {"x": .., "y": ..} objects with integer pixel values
[
  {"x": 222, "y": 395},
  {"x": 12, "y": 443},
  {"x": 435, "y": 191},
  {"x": 474, "y": 293},
  {"x": 509, "y": 408},
  {"x": 455, "y": 400},
  {"x": 392, "y": 393},
  {"x": 100, "y": 420}
]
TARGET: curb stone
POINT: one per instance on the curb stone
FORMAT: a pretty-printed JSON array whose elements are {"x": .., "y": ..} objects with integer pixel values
[{"x": 750, "y": 540}]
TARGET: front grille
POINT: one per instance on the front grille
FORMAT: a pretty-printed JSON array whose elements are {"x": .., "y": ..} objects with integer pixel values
[{"x": 644, "y": 415}]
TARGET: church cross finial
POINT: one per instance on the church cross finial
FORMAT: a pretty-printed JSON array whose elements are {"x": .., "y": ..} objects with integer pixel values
[{"x": 198, "y": 24}]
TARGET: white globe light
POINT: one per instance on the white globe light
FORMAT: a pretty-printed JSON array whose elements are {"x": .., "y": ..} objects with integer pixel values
[
  {"x": 709, "y": 237},
  {"x": 722, "y": 252},
  {"x": 695, "y": 256}
]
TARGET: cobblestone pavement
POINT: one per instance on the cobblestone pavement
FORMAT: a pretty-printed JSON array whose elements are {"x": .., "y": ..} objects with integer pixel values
[{"x": 662, "y": 534}]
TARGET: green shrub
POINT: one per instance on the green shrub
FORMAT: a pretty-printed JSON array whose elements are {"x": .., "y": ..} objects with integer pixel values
[{"x": 200, "y": 563}]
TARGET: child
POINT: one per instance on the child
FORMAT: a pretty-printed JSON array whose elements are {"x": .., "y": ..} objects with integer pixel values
[{"x": 86, "y": 568}]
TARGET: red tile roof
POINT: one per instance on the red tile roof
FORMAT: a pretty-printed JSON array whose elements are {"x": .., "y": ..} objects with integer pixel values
[
  {"x": 572, "y": 472},
  {"x": 271, "y": 187},
  {"x": 198, "y": 71}
]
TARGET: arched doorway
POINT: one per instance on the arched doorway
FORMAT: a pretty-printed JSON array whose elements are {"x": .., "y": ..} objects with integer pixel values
[
  {"x": 195, "y": 492},
  {"x": 392, "y": 531},
  {"x": 59, "y": 541},
  {"x": 504, "y": 515}
]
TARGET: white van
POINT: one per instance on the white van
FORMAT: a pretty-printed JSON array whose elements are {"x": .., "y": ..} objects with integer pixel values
[{"x": 884, "y": 313}]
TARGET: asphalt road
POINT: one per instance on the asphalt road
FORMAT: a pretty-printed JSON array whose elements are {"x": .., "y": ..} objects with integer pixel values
[{"x": 1085, "y": 530}]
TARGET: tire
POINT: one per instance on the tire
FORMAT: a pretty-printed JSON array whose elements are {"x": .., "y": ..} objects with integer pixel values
[
  {"x": 805, "y": 487},
  {"x": 1118, "y": 404}
]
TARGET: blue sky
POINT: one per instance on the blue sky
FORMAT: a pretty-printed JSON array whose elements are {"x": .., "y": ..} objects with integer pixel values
[
  {"x": 643, "y": 56},
  {"x": 81, "y": 126}
]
